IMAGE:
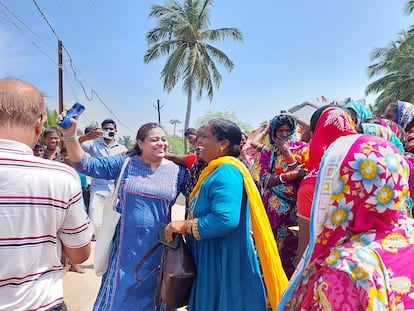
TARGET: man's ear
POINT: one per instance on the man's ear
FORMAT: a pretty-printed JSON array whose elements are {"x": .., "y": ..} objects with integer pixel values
[{"x": 39, "y": 126}]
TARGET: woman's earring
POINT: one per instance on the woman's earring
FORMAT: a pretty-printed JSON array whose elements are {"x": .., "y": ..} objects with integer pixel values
[{"x": 221, "y": 149}]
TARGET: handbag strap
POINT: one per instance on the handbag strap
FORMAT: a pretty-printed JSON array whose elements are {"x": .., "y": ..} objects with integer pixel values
[
  {"x": 118, "y": 182},
  {"x": 144, "y": 258}
]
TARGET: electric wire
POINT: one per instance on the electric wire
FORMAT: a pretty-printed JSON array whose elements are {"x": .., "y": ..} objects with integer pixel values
[
  {"x": 74, "y": 72},
  {"x": 24, "y": 35},
  {"x": 46, "y": 20},
  {"x": 28, "y": 28},
  {"x": 118, "y": 51}
]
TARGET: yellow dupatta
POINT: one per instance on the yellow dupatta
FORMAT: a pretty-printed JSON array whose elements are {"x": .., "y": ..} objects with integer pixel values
[{"x": 274, "y": 276}]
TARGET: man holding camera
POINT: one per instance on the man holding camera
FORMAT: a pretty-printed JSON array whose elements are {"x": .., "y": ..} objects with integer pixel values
[{"x": 100, "y": 142}]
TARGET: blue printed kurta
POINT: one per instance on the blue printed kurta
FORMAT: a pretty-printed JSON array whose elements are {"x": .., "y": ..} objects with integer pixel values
[
  {"x": 144, "y": 205},
  {"x": 228, "y": 275}
]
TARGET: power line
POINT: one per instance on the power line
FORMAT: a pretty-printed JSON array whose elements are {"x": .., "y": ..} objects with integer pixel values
[
  {"x": 25, "y": 36},
  {"x": 69, "y": 18},
  {"x": 27, "y": 27},
  {"x": 46, "y": 20},
  {"x": 118, "y": 51},
  {"x": 93, "y": 92}
]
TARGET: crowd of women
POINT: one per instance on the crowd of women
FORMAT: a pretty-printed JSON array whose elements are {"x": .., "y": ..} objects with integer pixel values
[{"x": 295, "y": 216}]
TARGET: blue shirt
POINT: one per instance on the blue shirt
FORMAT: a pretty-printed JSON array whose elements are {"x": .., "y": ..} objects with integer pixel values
[{"x": 99, "y": 148}]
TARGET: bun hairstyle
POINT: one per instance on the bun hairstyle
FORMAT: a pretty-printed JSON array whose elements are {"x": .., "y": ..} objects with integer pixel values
[
  {"x": 226, "y": 129},
  {"x": 142, "y": 134}
]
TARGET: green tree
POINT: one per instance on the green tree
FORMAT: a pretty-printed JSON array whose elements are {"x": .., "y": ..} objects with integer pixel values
[
  {"x": 176, "y": 144},
  {"x": 183, "y": 35},
  {"x": 230, "y": 115},
  {"x": 126, "y": 141},
  {"x": 174, "y": 122},
  {"x": 52, "y": 116},
  {"x": 395, "y": 65}
]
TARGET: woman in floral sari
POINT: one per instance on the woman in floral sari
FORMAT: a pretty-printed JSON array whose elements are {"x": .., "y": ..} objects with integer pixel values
[
  {"x": 327, "y": 124},
  {"x": 282, "y": 167},
  {"x": 361, "y": 242}
]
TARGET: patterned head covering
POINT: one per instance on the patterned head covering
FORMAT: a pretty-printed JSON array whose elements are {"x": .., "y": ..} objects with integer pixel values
[
  {"x": 405, "y": 113},
  {"x": 333, "y": 122},
  {"x": 362, "y": 111},
  {"x": 396, "y": 128},
  {"x": 382, "y": 131},
  {"x": 361, "y": 189},
  {"x": 280, "y": 120}
]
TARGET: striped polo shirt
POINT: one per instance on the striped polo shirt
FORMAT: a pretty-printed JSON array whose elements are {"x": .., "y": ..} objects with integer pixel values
[{"x": 41, "y": 208}]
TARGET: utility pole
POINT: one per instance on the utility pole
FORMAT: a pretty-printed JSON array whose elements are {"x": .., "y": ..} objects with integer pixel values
[
  {"x": 60, "y": 76},
  {"x": 60, "y": 81},
  {"x": 158, "y": 107}
]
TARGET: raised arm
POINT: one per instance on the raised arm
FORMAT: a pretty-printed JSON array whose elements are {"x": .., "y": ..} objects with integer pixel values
[{"x": 73, "y": 146}]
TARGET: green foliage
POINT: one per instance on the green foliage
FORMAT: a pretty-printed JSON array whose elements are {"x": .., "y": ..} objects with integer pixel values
[
  {"x": 52, "y": 116},
  {"x": 395, "y": 66},
  {"x": 176, "y": 144},
  {"x": 230, "y": 115},
  {"x": 126, "y": 141},
  {"x": 182, "y": 34},
  {"x": 174, "y": 122}
]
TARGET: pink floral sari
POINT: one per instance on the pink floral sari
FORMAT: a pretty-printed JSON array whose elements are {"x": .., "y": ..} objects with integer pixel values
[{"x": 361, "y": 245}]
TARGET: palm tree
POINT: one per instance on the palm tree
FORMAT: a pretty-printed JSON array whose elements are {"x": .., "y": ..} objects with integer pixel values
[
  {"x": 396, "y": 65},
  {"x": 182, "y": 34},
  {"x": 409, "y": 7},
  {"x": 174, "y": 122}
]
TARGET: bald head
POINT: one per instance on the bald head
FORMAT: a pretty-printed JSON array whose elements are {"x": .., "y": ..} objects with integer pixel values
[{"x": 21, "y": 104}]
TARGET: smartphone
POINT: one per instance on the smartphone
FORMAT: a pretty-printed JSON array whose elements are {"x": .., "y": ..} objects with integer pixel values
[
  {"x": 108, "y": 135},
  {"x": 161, "y": 238},
  {"x": 73, "y": 112}
]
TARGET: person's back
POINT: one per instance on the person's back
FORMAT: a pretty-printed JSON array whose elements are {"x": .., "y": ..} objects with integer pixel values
[
  {"x": 41, "y": 208},
  {"x": 360, "y": 247}
]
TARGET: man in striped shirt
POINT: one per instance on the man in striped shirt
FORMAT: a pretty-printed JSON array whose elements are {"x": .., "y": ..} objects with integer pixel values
[{"x": 41, "y": 207}]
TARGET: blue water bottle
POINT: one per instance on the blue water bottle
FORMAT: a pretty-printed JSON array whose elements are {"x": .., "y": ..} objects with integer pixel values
[{"x": 73, "y": 112}]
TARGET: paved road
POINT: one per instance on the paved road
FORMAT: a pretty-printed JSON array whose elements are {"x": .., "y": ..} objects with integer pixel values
[{"x": 80, "y": 290}]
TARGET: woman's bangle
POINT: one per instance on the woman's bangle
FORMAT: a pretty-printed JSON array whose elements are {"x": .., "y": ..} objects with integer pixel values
[
  {"x": 190, "y": 227},
  {"x": 69, "y": 138},
  {"x": 184, "y": 228},
  {"x": 292, "y": 164},
  {"x": 281, "y": 179}
]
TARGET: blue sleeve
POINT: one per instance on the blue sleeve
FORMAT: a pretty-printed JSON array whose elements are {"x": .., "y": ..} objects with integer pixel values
[
  {"x": 101, "y": 167},
  {"x": 225, "y": 193}
]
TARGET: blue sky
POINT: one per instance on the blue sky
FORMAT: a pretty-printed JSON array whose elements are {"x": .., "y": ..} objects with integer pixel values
[{"x": 293, "y": 51}]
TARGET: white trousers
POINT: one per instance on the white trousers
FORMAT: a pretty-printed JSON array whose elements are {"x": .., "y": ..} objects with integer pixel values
[{"x": 96, "y": 209}]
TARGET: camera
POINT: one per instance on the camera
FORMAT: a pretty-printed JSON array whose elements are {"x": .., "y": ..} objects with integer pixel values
[{"x": 108, "y": 134}]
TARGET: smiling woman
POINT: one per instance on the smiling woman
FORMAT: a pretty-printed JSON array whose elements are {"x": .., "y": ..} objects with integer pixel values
[
  {"x": 222, "y": 205},
  {"x": 147, "y": 188}
]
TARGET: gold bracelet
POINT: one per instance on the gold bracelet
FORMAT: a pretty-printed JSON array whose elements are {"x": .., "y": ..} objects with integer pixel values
[{"x": 190, "y": 227}]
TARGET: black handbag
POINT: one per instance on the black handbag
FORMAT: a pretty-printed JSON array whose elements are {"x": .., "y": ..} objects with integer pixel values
[{"x": 176, "y": 273}]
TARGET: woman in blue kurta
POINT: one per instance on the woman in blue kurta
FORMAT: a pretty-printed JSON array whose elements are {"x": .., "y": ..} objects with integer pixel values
[
  {"x": 150, "y": 183},
  {"x": 218, "y": 229}
]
